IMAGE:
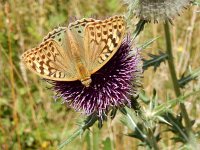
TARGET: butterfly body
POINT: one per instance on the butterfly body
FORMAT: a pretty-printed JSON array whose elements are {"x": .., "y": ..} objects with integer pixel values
[
  {"x": 83, "y": 72},
  {"x": 76, "y": 52}
]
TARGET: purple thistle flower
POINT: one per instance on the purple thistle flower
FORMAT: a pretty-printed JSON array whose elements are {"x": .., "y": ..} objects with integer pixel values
[{"x": 111, "y": 87}]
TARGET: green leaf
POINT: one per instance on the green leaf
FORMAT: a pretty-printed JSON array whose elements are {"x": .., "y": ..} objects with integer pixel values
[
  {"x": 147, "y": 43},
  {"x": 71, "y": 138},
  {"x": 186, "y": 79},
  {"x": 155, "y": 61},
  {"x": 144, "y": 97},
  {"x": 88, "y": 122},
  {"x": 162, "y": 108},
  {"x": 141, "y": 130},
  {"x": 139, "y": 28},
  {"x": 176, "y": 126}
]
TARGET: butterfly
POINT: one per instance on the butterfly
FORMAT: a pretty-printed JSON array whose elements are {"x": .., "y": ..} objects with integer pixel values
[{"x": 77, "y": 51}]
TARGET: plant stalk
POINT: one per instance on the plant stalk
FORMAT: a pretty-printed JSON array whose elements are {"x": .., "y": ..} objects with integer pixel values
[
  {"x": 174, "y": 77},
  {"x": 152, "y": 139}
]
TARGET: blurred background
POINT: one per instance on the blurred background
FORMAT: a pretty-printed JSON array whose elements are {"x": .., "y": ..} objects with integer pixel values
[{"x": 29, "y": 116}]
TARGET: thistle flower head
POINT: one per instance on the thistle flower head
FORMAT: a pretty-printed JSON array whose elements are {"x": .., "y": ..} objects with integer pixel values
[
  {"x": 111, "y": 86},
  {"x": 157, "y": 10}
]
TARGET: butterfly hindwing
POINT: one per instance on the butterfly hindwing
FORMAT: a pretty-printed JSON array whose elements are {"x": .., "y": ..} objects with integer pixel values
[
  {"x": 79, "y": 25},
  {"x": 58, "y": 34},
  {"x": 102, "y": 39}
]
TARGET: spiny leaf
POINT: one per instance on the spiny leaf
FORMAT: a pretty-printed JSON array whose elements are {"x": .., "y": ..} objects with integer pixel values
[
  {"x": 177, "y": 127},
  {"x": 162, "y": 108},
  {"x": 155, "y": 61},
  {"x": 147, "y": 43},
  {"x": 134, "y": 104},
  {"x": 88, "y": 122},
  {"x": 71, "y": 138},
  {"x": 143, "y": 96},
  {"x": 137, "y": 133},
  {"x": 186, "y": 79},
  {"x": 145, "y": 140},
  {"x": 139, "y": 28},
  {"x": 142, "y": 130}
]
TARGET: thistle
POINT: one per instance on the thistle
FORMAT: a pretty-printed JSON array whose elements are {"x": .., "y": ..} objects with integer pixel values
[
  {"x": 111, "y": 86},
  {"x": 157, "y": 10}
]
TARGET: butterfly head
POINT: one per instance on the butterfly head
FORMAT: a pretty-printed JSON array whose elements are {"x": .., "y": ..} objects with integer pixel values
[{"x": 86, "y": 82}]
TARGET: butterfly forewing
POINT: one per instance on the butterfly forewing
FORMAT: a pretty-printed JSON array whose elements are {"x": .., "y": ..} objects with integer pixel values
[
  {"x": 102, "y": 39},
  {"x": 77, "y": 30},
  {"x": 49, "y": 61},
  {"x": 60, "y": 36}
]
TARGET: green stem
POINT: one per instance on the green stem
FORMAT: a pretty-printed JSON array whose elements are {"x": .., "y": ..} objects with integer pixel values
[
  {"x": 152, "y": 139},
  {"x": 174, "y": 77}
]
